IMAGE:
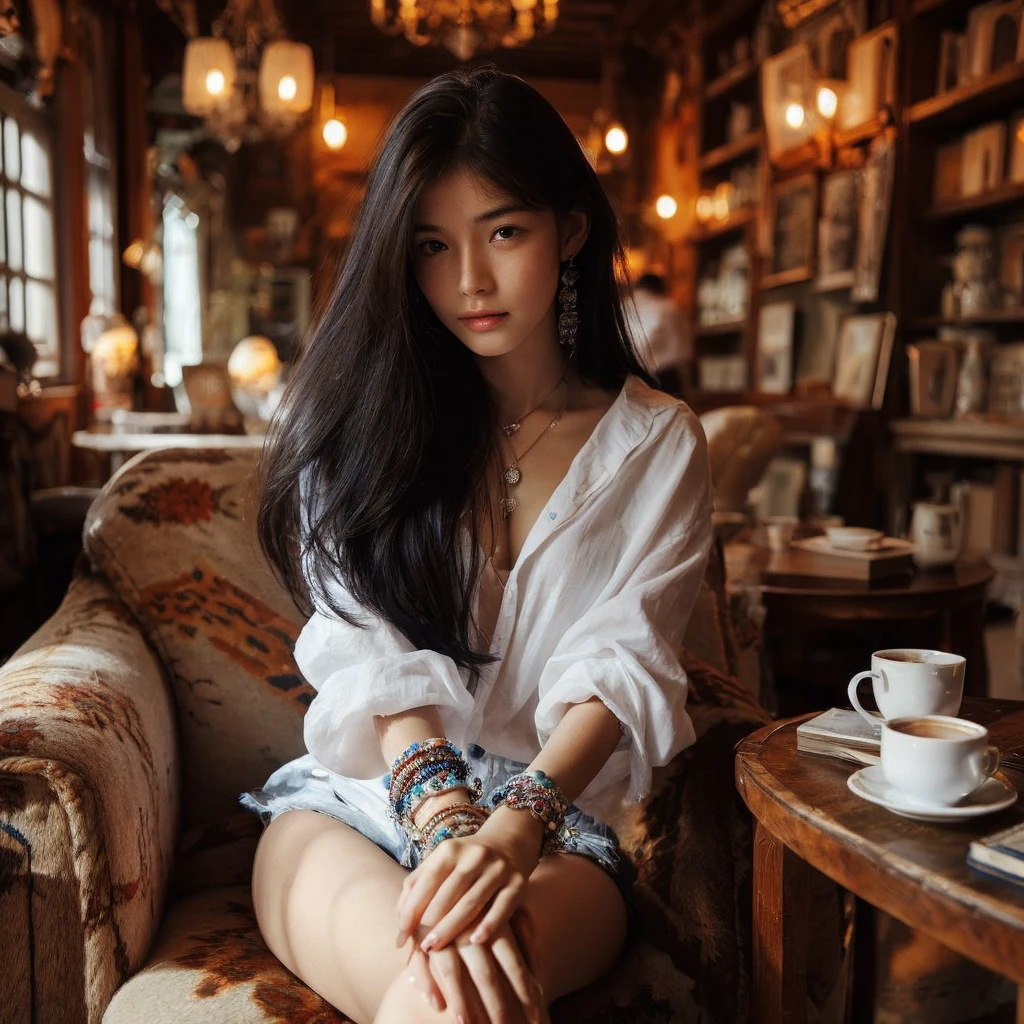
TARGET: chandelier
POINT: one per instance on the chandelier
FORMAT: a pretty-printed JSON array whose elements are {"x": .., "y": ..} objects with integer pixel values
[
  {"x": 247, "y": 81},
  {"x": 465, "y": 27}
]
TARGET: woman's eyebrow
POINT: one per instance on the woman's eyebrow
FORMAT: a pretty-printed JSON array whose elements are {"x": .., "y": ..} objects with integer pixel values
[{"x": 498, "y": 211}]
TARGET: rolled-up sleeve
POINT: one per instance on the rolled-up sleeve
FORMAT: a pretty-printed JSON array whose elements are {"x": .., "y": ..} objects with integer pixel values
[
  {"x": 363, "y": 671},
  {"x": 625, "y": 649}
]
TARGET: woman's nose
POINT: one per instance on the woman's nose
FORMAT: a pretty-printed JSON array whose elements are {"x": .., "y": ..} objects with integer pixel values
[{"x": 475, "y": 276}]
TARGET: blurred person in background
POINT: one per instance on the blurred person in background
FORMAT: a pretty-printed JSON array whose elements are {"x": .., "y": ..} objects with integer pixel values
[{"x": 661, "y": 333}]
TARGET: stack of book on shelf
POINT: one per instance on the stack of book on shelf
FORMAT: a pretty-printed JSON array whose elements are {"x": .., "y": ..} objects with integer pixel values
[
  {"x": 1000, "y": 854},
  {"x": 840, "y": 733},
  {"x": 815, "y": 556}
]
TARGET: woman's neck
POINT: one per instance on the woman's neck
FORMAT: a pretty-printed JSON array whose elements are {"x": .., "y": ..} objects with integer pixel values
[{"x": 521, "y": 385}]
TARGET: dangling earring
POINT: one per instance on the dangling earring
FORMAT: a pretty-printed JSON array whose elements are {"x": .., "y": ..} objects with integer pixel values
[{"x": 568, "y": 318}]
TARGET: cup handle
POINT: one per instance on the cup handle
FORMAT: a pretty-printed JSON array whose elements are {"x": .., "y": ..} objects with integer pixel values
[
  {"x": 992, "y": 761},
  {"x": 855, "y": 701}
]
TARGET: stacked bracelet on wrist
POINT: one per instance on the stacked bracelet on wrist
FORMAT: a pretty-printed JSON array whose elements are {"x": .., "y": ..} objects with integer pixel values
[
  {"x": 424, "y": 770},
  {"x": 533, "y": 791},
  {"x": 454, "y": 822}
]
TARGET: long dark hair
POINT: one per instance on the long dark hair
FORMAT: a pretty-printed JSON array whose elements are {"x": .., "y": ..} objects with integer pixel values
[{"x": 387, "y": 426}]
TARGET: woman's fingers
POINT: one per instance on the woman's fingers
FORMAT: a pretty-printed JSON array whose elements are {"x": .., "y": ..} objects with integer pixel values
[
  {"x": 421, "y": 977},
  {"x": 501, "y": 910},
  {"x": 419, "y": 889},
  {"x": 457, "y": 989},
  {"x": 496, "y": 994},
  {"x": 525, "y": 986},
  {"x": 452, "y": 916}
]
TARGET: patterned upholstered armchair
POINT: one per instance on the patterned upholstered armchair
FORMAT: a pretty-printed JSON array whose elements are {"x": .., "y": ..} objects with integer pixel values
[{"x": 165, "y": 685}]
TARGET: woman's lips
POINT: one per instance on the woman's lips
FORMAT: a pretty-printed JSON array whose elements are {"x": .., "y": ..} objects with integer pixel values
[{"x": 483, "y": 323}]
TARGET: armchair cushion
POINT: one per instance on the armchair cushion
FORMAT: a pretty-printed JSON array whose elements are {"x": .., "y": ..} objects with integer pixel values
[
  {"x": 173, "y": 532},
  {"x": 88, "y": 807}
]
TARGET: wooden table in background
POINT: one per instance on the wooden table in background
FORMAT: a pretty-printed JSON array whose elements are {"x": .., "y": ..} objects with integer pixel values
[
  {"x": 942, "y": 609},
  {"x": 806, "y": 818}
]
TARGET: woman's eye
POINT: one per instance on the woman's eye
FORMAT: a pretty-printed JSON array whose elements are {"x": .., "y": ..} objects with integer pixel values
[
  {"x": 506, "y": 232},
  {"x": 431, "y": 246}
]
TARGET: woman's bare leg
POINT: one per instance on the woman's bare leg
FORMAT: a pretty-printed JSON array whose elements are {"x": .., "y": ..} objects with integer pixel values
[{"x": 325, "y": 895}]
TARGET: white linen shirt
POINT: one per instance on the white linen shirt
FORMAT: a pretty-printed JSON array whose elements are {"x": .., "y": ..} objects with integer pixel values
[{"x": 596, "y": 606}]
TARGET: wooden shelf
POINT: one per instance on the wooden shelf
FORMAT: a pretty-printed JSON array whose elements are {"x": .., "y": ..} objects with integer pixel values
[
  {"x": 843, "y": 138},
  {"x": 983, "y": 439},
  {"x": 993, "y": 318},
  {"x": 726, "y": 327},
  {"x": 730, "y": 80},
  {"x": 1008, "y": 193},
  {"x": 965, "y": 103},
  {"x": 736, "y": 222},
  {"x": 730, "y": 151}
]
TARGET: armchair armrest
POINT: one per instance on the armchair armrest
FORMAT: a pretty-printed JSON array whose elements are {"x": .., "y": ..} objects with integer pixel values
[{"x": 88, "y": 808}]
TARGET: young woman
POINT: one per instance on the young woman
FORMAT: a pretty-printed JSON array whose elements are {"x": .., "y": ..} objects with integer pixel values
[{"x": 502, "y": 529}]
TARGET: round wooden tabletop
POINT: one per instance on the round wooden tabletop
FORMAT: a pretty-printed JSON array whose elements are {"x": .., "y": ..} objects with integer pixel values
[{"x": 915, "y": 871}]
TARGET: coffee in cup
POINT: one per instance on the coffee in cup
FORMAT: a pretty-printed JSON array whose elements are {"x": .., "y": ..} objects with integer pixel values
[
  {"x": 909, "y": 682},
  {"x": 936, "y": 760}
]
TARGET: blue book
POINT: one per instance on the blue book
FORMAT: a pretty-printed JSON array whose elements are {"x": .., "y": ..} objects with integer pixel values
[{"x": 1000, "y": 854}]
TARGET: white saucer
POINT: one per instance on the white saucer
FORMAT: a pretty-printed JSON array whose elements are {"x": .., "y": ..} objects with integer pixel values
[{"x": 993, "y": 794}]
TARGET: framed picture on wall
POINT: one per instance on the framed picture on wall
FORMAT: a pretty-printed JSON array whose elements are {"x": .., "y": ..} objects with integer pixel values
[
  {"x": 862, "y": 359},
  {"x": 786, "y": 79},
  {"x": 837, "y": 231},
  {"x": 933, "y": 369},
  {"x": 792, "y": 218},
  {"x": 775, "y": 324},
  {"x": 873, "y": 216}
]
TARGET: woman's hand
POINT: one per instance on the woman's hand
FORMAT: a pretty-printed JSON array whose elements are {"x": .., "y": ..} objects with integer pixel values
[
  {"x": 476, "y": 880},
  {"x": 481, "y": 983}
]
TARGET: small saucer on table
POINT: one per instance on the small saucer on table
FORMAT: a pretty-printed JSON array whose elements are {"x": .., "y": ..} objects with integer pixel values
[{"x": 994, "y": 794}]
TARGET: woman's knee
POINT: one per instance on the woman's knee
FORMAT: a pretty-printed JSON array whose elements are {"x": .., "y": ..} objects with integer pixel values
[{"x": 404, "y": 1003}]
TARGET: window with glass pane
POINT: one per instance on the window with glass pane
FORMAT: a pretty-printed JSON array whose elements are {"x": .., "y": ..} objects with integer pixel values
[
  {"x": 100, "y": 186},
  {"x": 28, "y": 239}
]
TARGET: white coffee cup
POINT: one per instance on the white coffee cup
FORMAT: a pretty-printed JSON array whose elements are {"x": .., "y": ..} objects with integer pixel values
[
  {"x": 909, "y": 681},
  {"x": 936, "y": 760}
]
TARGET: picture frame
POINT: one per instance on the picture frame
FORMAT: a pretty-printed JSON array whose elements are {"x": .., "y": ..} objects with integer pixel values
[
  {"x": 932, "y": 374},
  {"x": 992, "y": 29},
  {"x": 775, "y": 330},
  {"x": 863, "y": 354},
  {"x": 873, "y": 216},
  {"x": 829, "y": 33},
  {"x": 787, "y": 77},
  {"x": 871, "y": 65},
  {"x": 792, "y": 218},
  {"x": 837, "y": 231}
]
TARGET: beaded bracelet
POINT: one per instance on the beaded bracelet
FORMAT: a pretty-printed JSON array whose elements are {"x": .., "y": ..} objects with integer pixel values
[
  {"x": 423, "y": 770},
  {"x": 454, "y": 822},
  {"x": 533, "y": 791}
]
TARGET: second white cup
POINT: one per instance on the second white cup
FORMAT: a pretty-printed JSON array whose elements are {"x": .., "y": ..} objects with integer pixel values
[{"x": 910, "y": 681}]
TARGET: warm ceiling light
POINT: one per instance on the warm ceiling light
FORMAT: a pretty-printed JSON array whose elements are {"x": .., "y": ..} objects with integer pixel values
[
  {"x": 795, "y": 114},
  {"x": 828, "y": 102},
  {"x": 215, "y": 82},
  {"x": 335, "y": 133},
  {"x": 287, "y": 88},
  {"x": 616, "y": 140},
  {"x": 705, "y": 207},
  {"x": 665, "y": 206}
]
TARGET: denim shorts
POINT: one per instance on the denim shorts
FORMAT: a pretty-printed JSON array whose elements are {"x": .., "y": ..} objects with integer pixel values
[{"x": 362, "y": 804}]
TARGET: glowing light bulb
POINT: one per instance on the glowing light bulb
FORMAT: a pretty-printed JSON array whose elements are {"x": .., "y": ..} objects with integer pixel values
[
  {"x": 287, "y": 88},
  {"x": 1020, "y": 132},
  {"x": 215, "y": 82},
  {"x": 828, "y": 102},
  {"x": 705, "y": 207},
  {"x": 616, "y": 140},
  {"x": 335, "y": 133},
  {"x": 665, "y": 207},
  {"x": 794, "y": 114}
]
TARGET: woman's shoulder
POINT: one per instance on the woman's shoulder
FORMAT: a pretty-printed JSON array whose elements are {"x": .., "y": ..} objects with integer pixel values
[{"x": 662, "y": 414}]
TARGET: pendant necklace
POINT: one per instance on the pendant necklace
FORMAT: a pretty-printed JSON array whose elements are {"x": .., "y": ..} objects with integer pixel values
[
  {"x": 513, "y": 474},
  {"x": 513, "y": 426}
]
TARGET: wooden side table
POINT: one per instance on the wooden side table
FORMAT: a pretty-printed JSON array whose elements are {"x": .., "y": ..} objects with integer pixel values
[
  {"x": 806, "y": 817},
  {"x": 944, "y": 610}
]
